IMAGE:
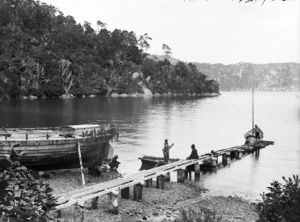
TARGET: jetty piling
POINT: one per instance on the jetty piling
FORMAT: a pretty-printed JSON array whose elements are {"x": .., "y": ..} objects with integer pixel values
[
  {"x": 180, "y": 175},
  {"x": 138, "y": 192},
  {"x": 197, "y": 172},
  {"x": 160, "y": 182},
  {"x": 148, "y": 183},
  {"x": 168, "y": 177},
  {"x": 224, "y": 159},
  {"x": 125, "y": 193},
  {"x": 94, "y": 204}
]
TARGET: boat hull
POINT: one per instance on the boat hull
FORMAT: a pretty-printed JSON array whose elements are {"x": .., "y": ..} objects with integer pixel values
[
  {"x": 149, "y": 162},
  {"x": 58, "y": 152}
]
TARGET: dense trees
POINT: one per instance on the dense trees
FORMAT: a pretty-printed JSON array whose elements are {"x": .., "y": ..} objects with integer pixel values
[
  {"x": 47, "y": 54},
  {"x": 281, "y": 202}
]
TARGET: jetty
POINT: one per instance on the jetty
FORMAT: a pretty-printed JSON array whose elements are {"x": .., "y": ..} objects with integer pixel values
[{"x": 120, "y": 187}]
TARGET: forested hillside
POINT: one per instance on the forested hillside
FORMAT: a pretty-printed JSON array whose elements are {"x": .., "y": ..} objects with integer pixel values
[
  {"x": 243, "y": 76},
  {"x": 47, "y": 54}
]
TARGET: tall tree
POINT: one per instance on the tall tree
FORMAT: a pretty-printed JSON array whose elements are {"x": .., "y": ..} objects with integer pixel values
[
  {"x": 143, "y": 41},
  {"x": 100, "y": 25},
  {"x": 167, "y": 50}
]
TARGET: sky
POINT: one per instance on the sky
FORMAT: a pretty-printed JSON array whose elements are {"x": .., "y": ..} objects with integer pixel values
[{"x": 205, "y": 31}]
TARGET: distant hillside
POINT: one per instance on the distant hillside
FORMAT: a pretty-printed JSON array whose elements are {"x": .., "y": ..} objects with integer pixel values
[{"x": 243, "y": 76}]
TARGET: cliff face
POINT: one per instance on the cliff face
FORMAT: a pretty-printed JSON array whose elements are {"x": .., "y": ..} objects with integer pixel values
[{"x": 243, "y": 76}]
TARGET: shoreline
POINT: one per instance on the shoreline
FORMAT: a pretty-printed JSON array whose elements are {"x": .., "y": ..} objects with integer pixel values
[
  {"x": 156, "y": 205},
  {"x": 115, "y": 95}
]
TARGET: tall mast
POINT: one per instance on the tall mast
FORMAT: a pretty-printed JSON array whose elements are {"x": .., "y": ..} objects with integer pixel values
[{"x": 253, "y": 108}]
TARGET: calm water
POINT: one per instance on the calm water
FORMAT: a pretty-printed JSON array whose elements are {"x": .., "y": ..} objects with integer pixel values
[{"x": 209, "y": 123}]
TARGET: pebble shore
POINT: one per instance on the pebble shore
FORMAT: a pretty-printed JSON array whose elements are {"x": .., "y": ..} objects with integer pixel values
[{"x": 157, "y": 205}]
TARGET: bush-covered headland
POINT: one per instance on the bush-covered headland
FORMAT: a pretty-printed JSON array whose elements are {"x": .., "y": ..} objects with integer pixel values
[{"x": 44, "y": 53}]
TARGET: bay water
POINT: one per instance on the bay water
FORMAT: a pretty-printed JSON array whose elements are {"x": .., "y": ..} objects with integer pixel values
[{"x": 210, "y": 123}]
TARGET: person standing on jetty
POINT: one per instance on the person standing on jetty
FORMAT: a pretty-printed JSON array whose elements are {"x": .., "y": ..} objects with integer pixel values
[
  {"x": 257, "y": 132},
  {"x": 166, "y": 150}
]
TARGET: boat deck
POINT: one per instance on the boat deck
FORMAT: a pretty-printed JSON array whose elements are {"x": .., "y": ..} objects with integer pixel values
[{"x": 55, "y": 133}]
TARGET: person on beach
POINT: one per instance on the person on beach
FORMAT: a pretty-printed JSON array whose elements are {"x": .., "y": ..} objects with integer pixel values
[
  {"x": 114, "y": 164},
  {"x": 166, "y": 150},
  {"x": 194, "y": 155}
]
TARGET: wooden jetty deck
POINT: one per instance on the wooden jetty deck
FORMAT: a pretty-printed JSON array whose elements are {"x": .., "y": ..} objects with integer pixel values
[{"x": 141, "y": 178}]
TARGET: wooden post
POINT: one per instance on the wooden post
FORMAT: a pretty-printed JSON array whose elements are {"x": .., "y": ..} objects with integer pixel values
[
  {"x": 78, "y": 214},
  {"x": 214, "y": 162},
  {"x": 224, "y": 159},
  {"x": 168, "y": 177},
  {"x": 180, "y": 175},
  {"x": 26, "y": 136},
  {"x": 125, "y": 193},
  {"x": 90, "y": 203},
  {"x": 114, "y": 199},
  {"x": 59, "y": 214},
  {"x": 197, "y": 172},
  {"x": 253, "y": 108},
  {"x": 232, "y": 154},
  {"x": 190, "y": 175},
  {"x": 186, "y": 175},
  {"x": 236, "y": 154},
  {"x": 95, "y": 202},
  {"x": 149, "y": 183},
  {"x": 256, "y": 153},
  {"x": 138, "y": 192},
  {"x": 47, "y": 136},
  {"x": 81, "y": 166},
  {"x": 160, "y": 182}
]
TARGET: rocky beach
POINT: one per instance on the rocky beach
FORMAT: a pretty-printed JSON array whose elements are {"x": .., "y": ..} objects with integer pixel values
[{"x": 157, "y": 205}]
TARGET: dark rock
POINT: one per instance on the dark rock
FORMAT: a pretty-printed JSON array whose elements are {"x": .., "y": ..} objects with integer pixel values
[
  {"x": 155, "y": 212},
  {"x": 5, "y": 163}
]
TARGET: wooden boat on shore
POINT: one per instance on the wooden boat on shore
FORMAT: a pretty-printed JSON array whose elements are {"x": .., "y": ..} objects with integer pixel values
[{"x": 57, "y": 148}]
